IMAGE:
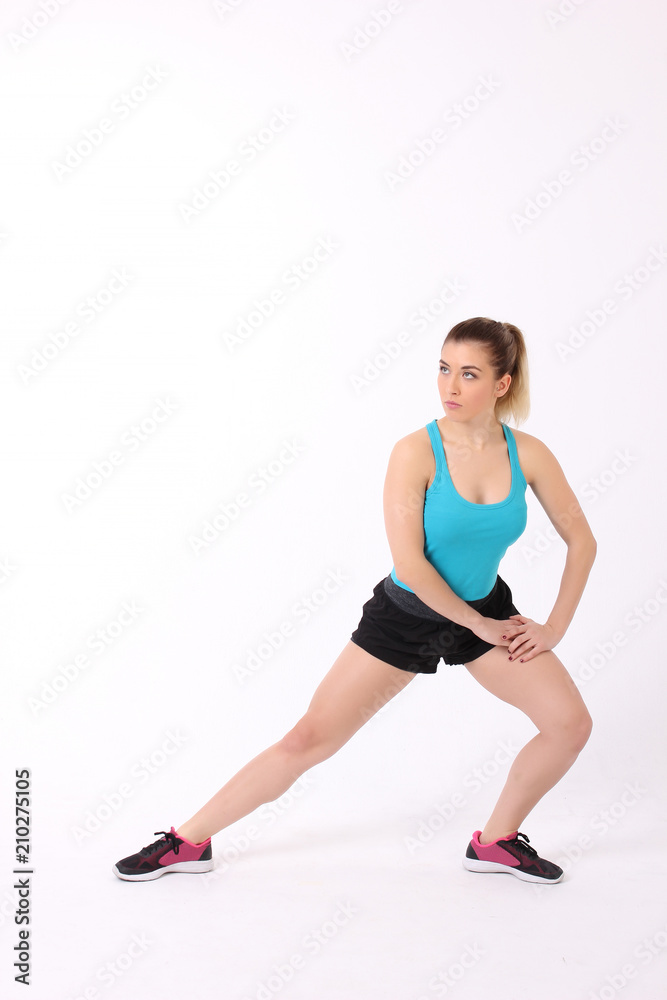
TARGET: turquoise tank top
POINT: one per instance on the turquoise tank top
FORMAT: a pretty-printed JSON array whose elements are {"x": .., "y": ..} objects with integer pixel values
[{"x": 465, "y": 541}]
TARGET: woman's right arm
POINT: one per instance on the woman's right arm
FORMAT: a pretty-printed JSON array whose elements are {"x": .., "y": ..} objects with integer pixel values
[{"x": 403, "y": 501}]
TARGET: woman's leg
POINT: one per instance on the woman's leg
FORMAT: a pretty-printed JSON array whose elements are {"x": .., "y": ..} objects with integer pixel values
[
  {"x": 354, "y": 689},
  {"x": 544, "y": 690}
]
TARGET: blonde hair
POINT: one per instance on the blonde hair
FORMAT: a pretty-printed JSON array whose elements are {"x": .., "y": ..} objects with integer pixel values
[{"x": 506, "y": 348}]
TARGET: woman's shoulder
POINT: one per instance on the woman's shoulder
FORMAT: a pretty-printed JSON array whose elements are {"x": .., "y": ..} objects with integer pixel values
[
  {"x": 414, "y": 440},
  {"x": 532, "y": 453},
  {"x": 528, "y": 441},
  {"x": 414, "y": 449}
]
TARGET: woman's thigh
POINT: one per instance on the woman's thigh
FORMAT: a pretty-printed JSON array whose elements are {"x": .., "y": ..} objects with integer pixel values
[
  {"x": 356, "y": 686},
  {"x": 541, "y": 688}
]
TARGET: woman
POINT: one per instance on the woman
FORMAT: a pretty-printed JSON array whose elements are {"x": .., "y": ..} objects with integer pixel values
[{"x": 454, "y": 500}]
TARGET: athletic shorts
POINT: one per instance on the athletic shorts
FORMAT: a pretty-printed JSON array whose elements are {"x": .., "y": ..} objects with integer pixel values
[{"x": 412, "y": 642}]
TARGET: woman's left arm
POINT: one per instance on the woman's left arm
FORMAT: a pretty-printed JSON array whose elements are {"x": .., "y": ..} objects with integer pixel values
[{"x": 547, "y": 481}]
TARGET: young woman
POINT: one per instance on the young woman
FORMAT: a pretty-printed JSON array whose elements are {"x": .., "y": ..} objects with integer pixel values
[{"x": 454, "y": 500}]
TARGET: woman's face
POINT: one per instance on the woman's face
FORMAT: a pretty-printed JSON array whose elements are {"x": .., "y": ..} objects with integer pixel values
[{"x": 466, "y": 377}]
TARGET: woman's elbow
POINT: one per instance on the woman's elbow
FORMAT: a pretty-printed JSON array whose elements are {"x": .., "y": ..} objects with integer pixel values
[
  {"x": 585, "y": 543},
  {"x": 407, "y": 570}
]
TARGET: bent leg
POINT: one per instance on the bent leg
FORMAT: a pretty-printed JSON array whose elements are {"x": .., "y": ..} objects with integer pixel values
[
  {"x": 543, "y": 689},
  {"x": 354, "y": 689}
]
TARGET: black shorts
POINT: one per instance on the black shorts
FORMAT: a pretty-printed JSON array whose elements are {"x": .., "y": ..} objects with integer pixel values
[{"x": 417, "y": 644}]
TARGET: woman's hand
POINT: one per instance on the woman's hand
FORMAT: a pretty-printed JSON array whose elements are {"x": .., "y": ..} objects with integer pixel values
[
  {"x": 498, "y": 631},
  {"x": 530, "y": 639}
]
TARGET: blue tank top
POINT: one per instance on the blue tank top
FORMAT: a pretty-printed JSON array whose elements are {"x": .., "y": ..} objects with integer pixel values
[{"x": 465, "y": 541}]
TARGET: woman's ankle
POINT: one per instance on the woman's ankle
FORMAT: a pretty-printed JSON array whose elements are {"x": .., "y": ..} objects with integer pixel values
[
  {"x": 493, "y": 835},
  {"x": 190, "y": 834}
]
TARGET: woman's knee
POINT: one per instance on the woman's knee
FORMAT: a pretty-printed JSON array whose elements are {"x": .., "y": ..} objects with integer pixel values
[
  {"x": 573, "y": 728},
  {"x": 309, "y": 738},
  {"x": 585, "y": 727}
]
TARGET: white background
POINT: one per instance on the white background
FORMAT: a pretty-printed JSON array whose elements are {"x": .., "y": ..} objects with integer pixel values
[{"x": 80, "y": 203}]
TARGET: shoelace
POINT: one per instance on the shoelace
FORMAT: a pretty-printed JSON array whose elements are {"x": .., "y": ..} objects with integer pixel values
[
  {"x": 168, "y": 837},
  {"x": 524, "y": 844}
]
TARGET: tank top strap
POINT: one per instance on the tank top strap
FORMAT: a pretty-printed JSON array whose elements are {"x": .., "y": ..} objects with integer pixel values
[
  {"x": 441, "y": 470},
  {"x": 517, "y": 471}
]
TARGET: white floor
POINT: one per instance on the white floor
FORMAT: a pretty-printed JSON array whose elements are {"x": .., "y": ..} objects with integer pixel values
[{"x": 328, "y": 896}]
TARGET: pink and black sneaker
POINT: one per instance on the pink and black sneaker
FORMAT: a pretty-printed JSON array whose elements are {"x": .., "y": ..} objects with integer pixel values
[
  {"x": 512, "y": 855},
  {"x": 170, "y": 853}
]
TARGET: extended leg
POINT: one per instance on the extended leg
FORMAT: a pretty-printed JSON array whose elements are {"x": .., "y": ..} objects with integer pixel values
[{"x": 354, "y": 689}]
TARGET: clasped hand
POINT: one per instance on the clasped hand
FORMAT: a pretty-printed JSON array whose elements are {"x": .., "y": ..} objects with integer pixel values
[
  {"x": 523, "y": 637},
  {"x": 530, "y": 638}
]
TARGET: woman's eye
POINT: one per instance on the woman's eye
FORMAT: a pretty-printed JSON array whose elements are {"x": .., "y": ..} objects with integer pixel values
[{"x": 443, "y": 370}]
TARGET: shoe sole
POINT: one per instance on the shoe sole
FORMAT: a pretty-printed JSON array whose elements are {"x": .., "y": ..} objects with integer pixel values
[
  {"x": 183, "y": 866},
  {"x": 473, "y": 865}
]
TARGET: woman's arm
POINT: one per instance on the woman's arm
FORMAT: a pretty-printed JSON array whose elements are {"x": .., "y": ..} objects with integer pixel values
[
  {"x": 547, "y": 481},
  {"x": 403, "y": 500},
  {"x": 578, "y": 563}
]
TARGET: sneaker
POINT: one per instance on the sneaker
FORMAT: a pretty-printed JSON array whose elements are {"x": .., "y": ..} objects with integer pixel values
[
  {"x": 510, "y": 854},
  {"x": 170, "y": 853}
]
